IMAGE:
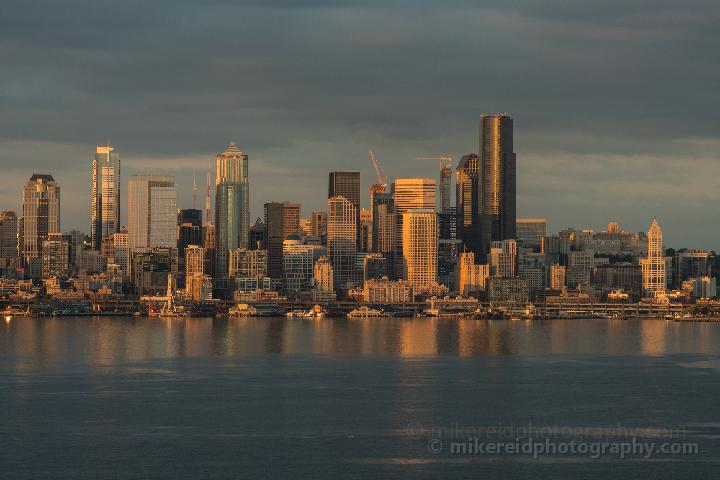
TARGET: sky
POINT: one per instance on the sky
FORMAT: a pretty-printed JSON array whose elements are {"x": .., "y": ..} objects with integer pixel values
[{"x": 615, "y": 103}]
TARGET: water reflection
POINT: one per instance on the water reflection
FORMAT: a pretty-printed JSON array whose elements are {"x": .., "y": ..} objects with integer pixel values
[{"x": 42, "y": 342}]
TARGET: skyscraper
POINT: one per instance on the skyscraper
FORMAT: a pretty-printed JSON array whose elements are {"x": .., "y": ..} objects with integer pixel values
[
  {"x": 152, "y": 212},
  {"x": 503, "y": 258},
  {"x": 281, "y": 221},
  {"x": 318, "y": 224},
  {"x": 383, "y": 229},
  {"x": 341, "y": 236},
  {"x": 467, "y": 203},
  {"x": 497, "y": 179},
  {"x": 530, "y": 232},
  {"x": 445, "y": 180},
  {"x": 653, "y": 266},
  {"x": 8, "y": 234},
  {"x": 347, "y": 184},
  {"x": 189, "y": 232},
  {"x": 419, "y": 240},
  {"x": 232, "y": 205},
  {"x": 105, "y": 208},
  {"x": 41, "y": 214},
  {"x": 409, "y": 193}
]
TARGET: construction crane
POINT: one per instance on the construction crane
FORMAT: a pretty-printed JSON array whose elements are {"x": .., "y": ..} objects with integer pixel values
[
  {"x": 439, "y": 159},
  {"x": 380, "y": 186}
]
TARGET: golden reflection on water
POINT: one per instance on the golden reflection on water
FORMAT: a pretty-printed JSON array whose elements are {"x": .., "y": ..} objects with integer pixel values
[{"x": 42, "y": 342}]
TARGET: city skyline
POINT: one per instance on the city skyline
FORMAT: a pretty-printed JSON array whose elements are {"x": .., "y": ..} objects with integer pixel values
[{"x": 593, "y": 88}]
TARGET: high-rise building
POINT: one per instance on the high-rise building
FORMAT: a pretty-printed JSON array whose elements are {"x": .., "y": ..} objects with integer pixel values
[
  {"x": 105, "y": 208},
  {"x": 445, "y": 186},
  {"x": 246, "y": 263},
  {"x": 41, "y": 214},
  {"x": 8, "y": 234},
  {"x": 449, "y": 246},
  {"x": 471, "y": 278},
  {"x": 281, "y": 221},
  {"x": 408, "y": 194},
  {"x": 374, "y": 266},
  {"x": 55, "y": 257},
  {"x": 365, "y": 230},
  {"x": 653, "y": 266},
  {"x": 152, "y": 212},
  {"x": 189, "y": 232},
  {"x": 347, "y": 184},
  {"x": 579, "y": 268},
  {"x": 318, "y": 224},
  {"x": 503, "y": 258},
  {"x": 557, "y": 277},
  {"x": 196, "y": 281},
  {"x": 532, "y": 267},
  {"x": 121, "y": 252},
  {"x": 341, "y": 245},
  {"x": 530, "y": 232},
  {"x": 497, "y": 179},
  {"x": 690, "y": 264},
  {"x": 419, "y": 247},
  {"x": 209, "y": 244},
  {"x": 297, "y": 264},
  {"x": 467, "y": 202},
  {"x": 384, "y": 228},
  {"x": 151, "y": 268},
  {"x": 232, "y": 205},
  {"x": 323, "y": 275},
  {"x": 257, "y": 235}
]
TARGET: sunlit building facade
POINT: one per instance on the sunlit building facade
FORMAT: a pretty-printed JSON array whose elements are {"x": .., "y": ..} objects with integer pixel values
[
  {"x": 105, "y": 207},
  {"x": 419, "y": 246},
  {"x": 469, "y": 276},
  {"x": 653, "y": 266},
  {"x": 497, "y": 179},
  {"x": 467, "y": 202},
  {"x": 409, "y": 193},
  {"x": 41, "y": 214}
]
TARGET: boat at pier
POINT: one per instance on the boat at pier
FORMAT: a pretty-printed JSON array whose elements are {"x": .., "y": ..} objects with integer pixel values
[{"x": 367, "y": 312}]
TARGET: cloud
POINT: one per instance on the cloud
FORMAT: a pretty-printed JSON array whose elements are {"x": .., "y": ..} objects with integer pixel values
[{"x": 608, "y": 96}]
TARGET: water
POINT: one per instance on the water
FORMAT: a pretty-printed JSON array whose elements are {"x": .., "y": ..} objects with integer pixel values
[{"x": 324, "y": 399}]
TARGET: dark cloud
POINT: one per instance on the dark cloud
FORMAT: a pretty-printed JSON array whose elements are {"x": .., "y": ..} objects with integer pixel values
[{"x": 624, "y": 91}]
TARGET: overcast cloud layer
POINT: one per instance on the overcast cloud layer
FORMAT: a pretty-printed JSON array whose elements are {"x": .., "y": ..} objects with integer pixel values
[{"x": 615, "y": 102}]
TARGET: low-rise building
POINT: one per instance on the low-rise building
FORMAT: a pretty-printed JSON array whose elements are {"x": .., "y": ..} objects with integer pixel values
[{"x": 386, "y": 291}]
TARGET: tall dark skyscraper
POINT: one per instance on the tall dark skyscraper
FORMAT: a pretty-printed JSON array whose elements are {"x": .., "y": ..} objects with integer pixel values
[
  {"x": 189, "y": 232},
  {"x": 347, "y": 184},
  {"x": 281, "y": 221},
  {"x": 497, "y": 180},
  {"x": 467, "y": 203},
  {"x": 445, "y": 182}
]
